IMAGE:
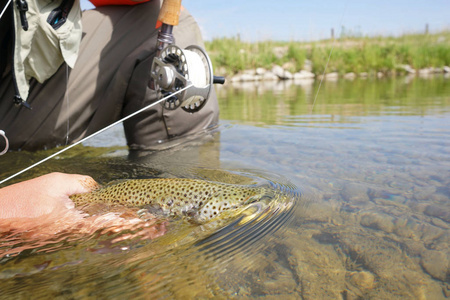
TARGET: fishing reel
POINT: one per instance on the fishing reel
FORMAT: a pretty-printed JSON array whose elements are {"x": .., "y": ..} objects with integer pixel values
[
  {"x": 175, "y": 68},
  {"x": 183, "y": 76}
]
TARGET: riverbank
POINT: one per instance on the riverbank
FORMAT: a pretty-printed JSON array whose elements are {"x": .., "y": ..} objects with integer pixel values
[{"x": 351, "y": 57}]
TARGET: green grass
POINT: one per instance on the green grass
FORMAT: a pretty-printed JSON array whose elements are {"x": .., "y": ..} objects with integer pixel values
[{"x": 350, "y": 54}]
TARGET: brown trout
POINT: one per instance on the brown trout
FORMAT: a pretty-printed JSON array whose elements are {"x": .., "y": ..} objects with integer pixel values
[{"x": 198, "y": 200}]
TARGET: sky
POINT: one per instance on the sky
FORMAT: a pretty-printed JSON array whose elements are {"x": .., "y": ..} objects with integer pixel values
[{"x": 299, "y": 20}]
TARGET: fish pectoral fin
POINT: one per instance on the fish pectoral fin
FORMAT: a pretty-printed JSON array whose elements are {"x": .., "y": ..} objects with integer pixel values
[
  {"x": 155, "y": 209},
  {"x": 190, "y": 210}
]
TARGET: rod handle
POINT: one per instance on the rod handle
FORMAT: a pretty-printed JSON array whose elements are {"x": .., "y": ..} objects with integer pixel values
[{"x": 170, "y": 12}]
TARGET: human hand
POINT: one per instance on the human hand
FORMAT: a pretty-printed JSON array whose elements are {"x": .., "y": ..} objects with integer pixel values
[
  {"x": 44, "y": 195},
  {"x": 38, "y": 211},
  {"x": 39, "y": 208}
]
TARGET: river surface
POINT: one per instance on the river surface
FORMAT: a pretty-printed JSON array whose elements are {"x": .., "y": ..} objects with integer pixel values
[{"x": 365, "y": 166}]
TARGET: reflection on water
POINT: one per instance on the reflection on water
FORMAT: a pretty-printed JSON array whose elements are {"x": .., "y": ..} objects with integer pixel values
[{"x": 372, "y": 163}]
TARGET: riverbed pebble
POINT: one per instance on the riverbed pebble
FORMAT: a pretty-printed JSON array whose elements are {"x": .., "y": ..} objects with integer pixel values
[
  {"x": 355, "y": 193},
  {"x": 378, "y": 221},
  {"x": 363, "y": 280},
  {"x": 436, "y": 264},
  {"x": 440, "y": 212},
  {"x": 406, "y": 227}
]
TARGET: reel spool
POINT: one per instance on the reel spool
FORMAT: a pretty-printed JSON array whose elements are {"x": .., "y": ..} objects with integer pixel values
[{"x": 176, "y": 68}]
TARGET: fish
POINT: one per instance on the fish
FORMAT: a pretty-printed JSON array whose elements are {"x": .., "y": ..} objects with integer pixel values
[{"x": 195, "y": 199}]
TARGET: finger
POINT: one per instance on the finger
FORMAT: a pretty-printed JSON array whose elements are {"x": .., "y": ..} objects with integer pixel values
[
  {"x": 88, "y": 183},
  {"x": 73, "y": 183}
]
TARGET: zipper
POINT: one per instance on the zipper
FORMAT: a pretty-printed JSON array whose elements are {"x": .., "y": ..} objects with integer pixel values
[{"x": 23, "y": 7}]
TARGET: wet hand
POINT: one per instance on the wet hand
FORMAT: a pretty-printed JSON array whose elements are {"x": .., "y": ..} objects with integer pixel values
[
  {"x": 44, "y": 195},
  {"x": 40, "y": 208}
]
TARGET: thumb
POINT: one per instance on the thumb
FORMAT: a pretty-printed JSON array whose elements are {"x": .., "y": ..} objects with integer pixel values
[{"x": 70, "y": 184}]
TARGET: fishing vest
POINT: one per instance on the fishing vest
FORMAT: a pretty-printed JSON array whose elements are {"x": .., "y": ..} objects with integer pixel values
[{"x": 47, "y": 33}]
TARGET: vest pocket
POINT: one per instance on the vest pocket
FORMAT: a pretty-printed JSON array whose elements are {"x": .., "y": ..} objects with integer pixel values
[{"x": 58, "y": 16}]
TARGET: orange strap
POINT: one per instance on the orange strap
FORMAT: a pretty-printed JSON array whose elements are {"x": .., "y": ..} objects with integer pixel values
[{"x": 99, "y": 3}]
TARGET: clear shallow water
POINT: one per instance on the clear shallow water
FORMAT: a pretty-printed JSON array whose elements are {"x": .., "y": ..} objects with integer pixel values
[{"x": 368, "y": 171}]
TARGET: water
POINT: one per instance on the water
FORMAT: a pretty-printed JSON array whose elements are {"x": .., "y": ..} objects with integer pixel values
[{"x": 368, "y": 215}]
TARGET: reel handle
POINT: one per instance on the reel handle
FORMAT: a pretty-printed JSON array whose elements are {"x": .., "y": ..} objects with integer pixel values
[{"x": 218, "y": 79}]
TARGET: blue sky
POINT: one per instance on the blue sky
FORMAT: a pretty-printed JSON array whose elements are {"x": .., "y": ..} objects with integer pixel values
[{"x": 312, "y": 20}]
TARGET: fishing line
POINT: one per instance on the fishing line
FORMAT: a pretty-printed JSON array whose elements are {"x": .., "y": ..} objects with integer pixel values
[
  {"x": 95, "y": 133},
  {"x": 6, "y": 6},
  {"x": 329, "y": 57}
]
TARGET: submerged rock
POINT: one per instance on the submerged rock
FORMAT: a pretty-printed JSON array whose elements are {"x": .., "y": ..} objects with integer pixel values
[
  {"x": 440, "y": 212},
  {"x": 436, "y": 264},
  {"x": 378, "y": 221},
  {"x": 363, "y": 280},
  {"x": 355, "y": 194}
]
